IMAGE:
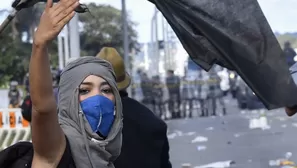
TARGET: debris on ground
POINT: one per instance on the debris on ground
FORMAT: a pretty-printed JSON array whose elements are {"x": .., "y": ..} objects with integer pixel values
[{"x": 221, "y": 164}]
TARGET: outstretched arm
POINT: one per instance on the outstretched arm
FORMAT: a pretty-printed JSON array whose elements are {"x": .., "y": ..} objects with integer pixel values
[{"x": 48, "y": 138}]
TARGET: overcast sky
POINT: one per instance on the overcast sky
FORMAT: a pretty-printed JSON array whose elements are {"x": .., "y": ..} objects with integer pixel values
[{"x": 281, "y": 14}]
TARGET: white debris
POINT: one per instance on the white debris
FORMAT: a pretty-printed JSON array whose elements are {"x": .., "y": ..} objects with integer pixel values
[
  {"x": 281, "y": 118},
  {"x": 201, "y": 148},
  {"x": 261, "y": 123},
  {"x": 200, "y": 139},
  {"x": 179, "y": 133},
  {"x": 236, "y": 135},
  {"x": 288, "y": 155},
  {"x": 186, "y": 165},
  {"x": 189, "y": 133},
  {"x": 294, "y": 124},
  {"x": 284, "y": 126},
  {"x": 274, "y": 162},
  {"x": 209, "y": 128},
  {"x": 172, "y": 135},
  {"x": 222, "y": 164}
]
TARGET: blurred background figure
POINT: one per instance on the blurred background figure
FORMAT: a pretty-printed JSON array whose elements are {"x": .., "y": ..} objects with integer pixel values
[
  {"x": 146, "y": 87},
  {"x": 173, "y": 86},
  {"x": 14, "y": 95},
  {"x": 26, "y": 82},
  {"x": 188, "y": 95},
  {"x": 203, "y": 89},
  {"x": 289, "y": 53},
  {"x": 157, "y": 97},
  {"x": 224, "y": 81},
  {"x": 233, "y": 76},
  {"x": 215, "y": 93}
]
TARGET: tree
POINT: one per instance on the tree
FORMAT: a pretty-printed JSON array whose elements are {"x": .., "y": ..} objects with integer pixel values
[
  {"x": 14, "y": 58},
  {"x": 103, "y": 27},
  {"x": 16, "y": 51}
]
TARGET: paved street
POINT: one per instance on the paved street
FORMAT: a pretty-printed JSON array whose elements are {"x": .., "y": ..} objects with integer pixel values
[{"x": 201, "y": 141}]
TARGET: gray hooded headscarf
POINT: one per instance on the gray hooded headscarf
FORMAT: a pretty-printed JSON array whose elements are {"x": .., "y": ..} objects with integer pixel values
[{"x": 88, "y": 149}]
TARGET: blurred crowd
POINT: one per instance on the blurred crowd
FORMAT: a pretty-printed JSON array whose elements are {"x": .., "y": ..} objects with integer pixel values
[{"x": 197, "y": 93}]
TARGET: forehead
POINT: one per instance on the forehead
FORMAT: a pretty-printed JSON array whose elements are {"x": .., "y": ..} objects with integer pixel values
[{"x": 93, "y": 79}]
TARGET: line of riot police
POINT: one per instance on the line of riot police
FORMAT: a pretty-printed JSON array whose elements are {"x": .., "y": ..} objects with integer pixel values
[{"x": 195, "y": 94}]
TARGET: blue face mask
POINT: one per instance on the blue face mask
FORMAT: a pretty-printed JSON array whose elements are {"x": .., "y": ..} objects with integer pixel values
[{"x": 99, "y": 112}]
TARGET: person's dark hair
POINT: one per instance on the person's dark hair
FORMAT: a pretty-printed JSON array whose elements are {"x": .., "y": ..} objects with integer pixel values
[
  {"x": 287, "y": 44},
  {"x": 170, "y": 71}
]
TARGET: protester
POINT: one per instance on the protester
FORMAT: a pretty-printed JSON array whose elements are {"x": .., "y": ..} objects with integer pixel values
[
  {"x": 289, "y": 53},
  {"x": 215, "y": 93},
  {"x": 145, "y": 143},
  {"x": 73, "y": 138},
  {"x": 26, "y": 108},
  {"x": 173, "y": 86},
  {"x": 14, "y": 95}
]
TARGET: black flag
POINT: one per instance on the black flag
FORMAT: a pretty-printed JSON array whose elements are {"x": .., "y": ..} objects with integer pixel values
[{"x": 234, "y": 34}]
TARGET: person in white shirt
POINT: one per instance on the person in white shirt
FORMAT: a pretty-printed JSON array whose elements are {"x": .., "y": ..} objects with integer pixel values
[{"x": 224, "y": 84}]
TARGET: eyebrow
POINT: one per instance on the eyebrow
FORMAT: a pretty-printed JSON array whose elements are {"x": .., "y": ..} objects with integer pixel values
[
  {"x": 91, "y": 84},
  {"x": 104, "y": 83}
]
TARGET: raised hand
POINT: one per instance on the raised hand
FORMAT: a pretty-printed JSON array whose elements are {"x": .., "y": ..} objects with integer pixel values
[{"x": 53, "y": 19}]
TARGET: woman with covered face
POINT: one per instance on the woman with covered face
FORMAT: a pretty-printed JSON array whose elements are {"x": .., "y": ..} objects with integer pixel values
[{"x": 86, "y": 133}]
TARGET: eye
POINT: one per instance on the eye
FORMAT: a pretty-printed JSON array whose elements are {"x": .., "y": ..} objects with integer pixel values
[
  {"x": 106, "y": 90},
  {"x": 83, "y": 91}
]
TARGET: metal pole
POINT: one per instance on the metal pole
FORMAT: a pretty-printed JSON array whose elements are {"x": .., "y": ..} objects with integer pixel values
[
  {"x": 125, "y": 36},
  {"x": 157, "y": 55},
  {"x": 152, "y": 45},
  {"x": 66, "y": 44},
  {"x": 164, "y": 41},
  {"x": 60, "y": 52},
  {"x": 126, "y": 41},
  {"x": 74, "y": 37}
]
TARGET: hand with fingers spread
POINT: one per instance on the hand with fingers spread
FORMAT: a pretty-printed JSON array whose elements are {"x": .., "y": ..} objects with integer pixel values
[{"x": 53, "y": 19}]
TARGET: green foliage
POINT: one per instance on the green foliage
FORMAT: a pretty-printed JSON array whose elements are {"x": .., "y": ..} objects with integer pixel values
[
  {"x": 14, "y": 57},
  {"x": 103, "y": 27}
]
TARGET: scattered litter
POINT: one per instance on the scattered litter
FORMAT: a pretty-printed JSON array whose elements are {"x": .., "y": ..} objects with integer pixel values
[
  {"x": 288, "y": 155},
  {"x": 250, "y": 161},
  {"x": 223, "y": 164},
  {"x": 189, "y": 133},
  {"x": 294, "y": 124},
  {"x": 211, "y": 128},
  {"x": 179, "y": 133},
  {"x": 281, "y": 118},
  {"x": 200, "y": 139},
  {"x": 236, "y": 135},
  {"x": 259, "y": 123},
  {"x": 284, "y": 126},
  {"x": 176, "y": 133},
  {"x": 285, "y": 163},
  {"x": 274, "y": 162},
  {"x": 201, "y": 148},
  {"x": 172, "y": 135},
  {"x": 186, "y": 165},
  {"x": 242, "y": 111}
]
